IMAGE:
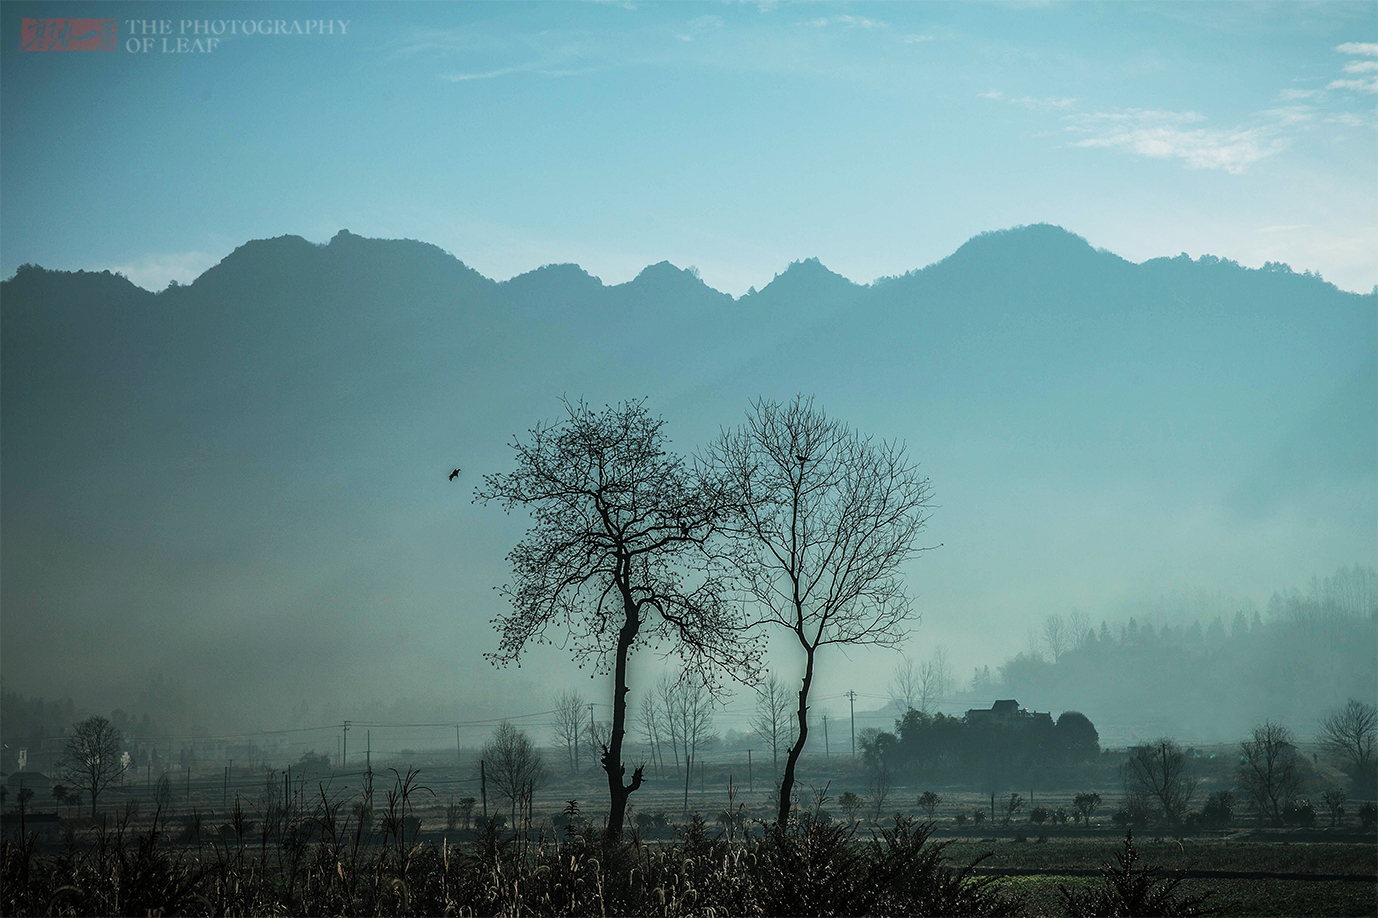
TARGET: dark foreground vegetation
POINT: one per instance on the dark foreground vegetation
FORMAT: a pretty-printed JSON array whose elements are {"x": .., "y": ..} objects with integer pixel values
[{"x": 328, "y": 862}]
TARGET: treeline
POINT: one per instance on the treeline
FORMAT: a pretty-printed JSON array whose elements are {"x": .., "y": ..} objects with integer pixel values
[
  {"x": 1310, "y": 651},
  {"x": 989, "y": 753}
]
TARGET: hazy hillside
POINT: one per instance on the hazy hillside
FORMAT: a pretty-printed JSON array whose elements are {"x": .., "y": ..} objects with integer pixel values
[{"x": 242, "y": 480}]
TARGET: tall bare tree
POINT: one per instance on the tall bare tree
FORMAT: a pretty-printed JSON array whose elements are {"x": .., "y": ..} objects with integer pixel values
[
  {"x": 92, "y": 759},
  {"x": 1270, "y": 771},
  {"x": 1160, "y": 774},
  {"x": 513, "y": 764},
  {"x": 615, "y": 559},
  {"x": 1349, "y": 735},
  {"x": 905, "y": 685},
  {"x": 772, "y": 719},
  {"x": 568, "y": 725},
  {"x": 826, "y": 518},
  {"x": 1057, "y": 636},
  {"x": 688, "y": 708},
  {"x": 935, "y": 678}
]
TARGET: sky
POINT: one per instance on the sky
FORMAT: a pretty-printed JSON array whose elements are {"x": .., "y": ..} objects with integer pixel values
[
  {"x": 732, "y": 137},
  {"x": 735, "y": 138}
]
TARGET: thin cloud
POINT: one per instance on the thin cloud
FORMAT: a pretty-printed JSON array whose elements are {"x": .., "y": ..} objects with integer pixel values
[
  {"x": 1046, "y": 104},
  {"x": 1370, "y": 85},
  {"x": 1358, "y": 47},
  {"x": 856, "y": 22},
  {"x": 995, "y": 94},
  {"x": 1169, "y": 135},
  {"x": 1361, "y": 66}
]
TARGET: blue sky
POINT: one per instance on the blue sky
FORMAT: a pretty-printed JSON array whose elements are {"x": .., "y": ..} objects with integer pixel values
[{"x": 735, "y": 137}]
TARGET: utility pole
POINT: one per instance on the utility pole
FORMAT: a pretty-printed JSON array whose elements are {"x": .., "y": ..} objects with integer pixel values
[
  {"x": 826, "y": 754},
  {"x": 368, "y": 751},
  {"x": 459, "y": 759},
  {"x": 344, "y": 759},
  {"x": 593, "y": 732},
  {"x": 851, "y": 701},
  {"x": 750, "y": 785},
  {"x": 483, "y": 787}
]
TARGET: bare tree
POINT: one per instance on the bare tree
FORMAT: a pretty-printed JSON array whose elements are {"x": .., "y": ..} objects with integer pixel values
[
  {"x": 568, "y": 725},
  {"x": 935, "y": 678},
  {"x": 1079, "y": 625},
  {"x": 772, "y": 720},
  {"x": 92, "y": 759},
  {"x": 615, "y": 559},
  {"x": 513, "y": 765},
  {"x": 1056, "y": 636},
  {"x": 651, "y": 732},
  {"x": 688, "y": 707},
  {"x": 1161, "y": 774},
  {"x": 826, "y": 517},
  {"x": 1349, "y": 736},
  {"x": 905, "y": 684},
  {"x": 1270, "y": 771}
]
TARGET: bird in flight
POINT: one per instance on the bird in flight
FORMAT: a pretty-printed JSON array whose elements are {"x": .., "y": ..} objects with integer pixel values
[{"x": 454, "y": 474}]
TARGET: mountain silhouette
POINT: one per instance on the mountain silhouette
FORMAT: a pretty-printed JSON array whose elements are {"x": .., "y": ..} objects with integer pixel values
[{"x": 254, "y": 453}]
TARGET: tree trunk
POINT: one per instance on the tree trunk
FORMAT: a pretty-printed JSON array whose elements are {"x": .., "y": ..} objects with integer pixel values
[
  {"x": 612, "y": 754},
  {"x": 787, "y": 782}
]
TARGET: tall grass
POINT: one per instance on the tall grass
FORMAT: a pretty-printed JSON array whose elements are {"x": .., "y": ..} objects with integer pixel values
[{"x": 333, "y": 861}]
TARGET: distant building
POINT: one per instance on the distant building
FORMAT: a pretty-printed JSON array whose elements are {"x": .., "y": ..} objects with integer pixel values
[
  {"x": 36, "y": 781},
  {"x": 1007, "y": 712}
]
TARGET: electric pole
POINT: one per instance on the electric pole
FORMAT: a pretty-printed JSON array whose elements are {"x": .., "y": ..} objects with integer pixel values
[
  {"x": 344, "y": 757},
  {"x": 825, "y": 737},
  {"x": 851, "y": 701}
]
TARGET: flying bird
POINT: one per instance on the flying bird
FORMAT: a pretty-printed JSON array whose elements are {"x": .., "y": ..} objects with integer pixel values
[{"x": 454, "y": 474}]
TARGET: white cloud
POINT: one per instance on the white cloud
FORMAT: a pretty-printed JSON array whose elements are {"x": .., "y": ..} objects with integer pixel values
[
  {"x": 993, "y": 94},
  {"x": 856, "y": 22},
  {"x": 1166, "y": 135},
  {"x": 1346, "y": 118},
  {"x": 1034, "y": 104},
  {"x": 153, "y": 272},
  {"x": 1361, "y": 66},
  {"x": 1290, "y": 114},
  {"x": 1358, "y": 47},
  {"x": 1369, "y": 85},
  {"x": 1296, "y": 94}
]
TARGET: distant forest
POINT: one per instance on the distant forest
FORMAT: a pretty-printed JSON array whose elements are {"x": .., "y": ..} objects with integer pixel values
[{"x": 1308, "y": 652}]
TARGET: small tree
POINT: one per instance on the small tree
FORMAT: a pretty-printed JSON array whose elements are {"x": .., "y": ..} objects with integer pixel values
[
  {"x": 513, "y": 765},
  {"x": 1269, "y": 771},
  {"x": 92, "y": 760},
  {"x": 850, "y": 804},
  {"x": 1349, "y": 736},
  {"x": 928, "y": 802},
  {"x": 568, "y": 725},
  {"x": 1160, "y": 774},
  {"x": 1085, "y": 805},
  {"x": 1335, "y": 797},
  {"x": 772, "y": 720},
  {"x": 1011, "y": 807}
]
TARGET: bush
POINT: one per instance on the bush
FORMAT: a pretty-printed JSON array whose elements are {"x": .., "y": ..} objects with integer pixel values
[
  {"x": 1299, "y": 813},
  {"x": 1218, "y": 809},
  {"x": 1038, "y": 815},
  {"x": 1128, "y": 889},
  {"x": 1368, "y": 814}
]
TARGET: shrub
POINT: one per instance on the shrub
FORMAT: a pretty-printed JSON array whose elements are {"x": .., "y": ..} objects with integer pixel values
[
  {"x": 1299, "y": 813},
  {"x": 1368, "y": 814},
  {"x": 961, "y": 819},
  {"x": 1127, "y": 889},
  {"x": 1038, "y": 815},
  {"x": 1218, "y": 810}
]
